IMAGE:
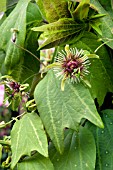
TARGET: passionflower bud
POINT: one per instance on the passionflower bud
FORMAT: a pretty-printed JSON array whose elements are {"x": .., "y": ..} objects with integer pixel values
[{"x": 71, "y": 65}]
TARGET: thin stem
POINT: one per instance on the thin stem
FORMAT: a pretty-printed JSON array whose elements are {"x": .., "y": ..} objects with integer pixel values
[
  {"x": 102, "y": 45},
  {"x": 29, "y": 53},
  {"x": 30, "y": 77},
  {"x": 13, "y": 119}
]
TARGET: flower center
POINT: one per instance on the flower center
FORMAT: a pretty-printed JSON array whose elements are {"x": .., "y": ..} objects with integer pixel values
[{"x": 71, "y": 66}]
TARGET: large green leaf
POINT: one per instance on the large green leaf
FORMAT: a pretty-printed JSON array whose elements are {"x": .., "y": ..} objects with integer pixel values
[
  {"x": 28, "y": 135},
  {"x": 107, "y": 24},
  {"x": 101, "y": 69},
  {"x": 36, "y": 162},
  {"x": 56, "y": 9},
  {"x": 60, "y": 32},
  {"x": 62, "y": 109},
  {"x": 104, "y": 141},
  {"x": 79, "y": 152},
  {"x": 16, "y": 20}
]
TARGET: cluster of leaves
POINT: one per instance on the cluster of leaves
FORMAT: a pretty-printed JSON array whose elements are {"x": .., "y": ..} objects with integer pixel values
[{"x": 67, "y": 129}]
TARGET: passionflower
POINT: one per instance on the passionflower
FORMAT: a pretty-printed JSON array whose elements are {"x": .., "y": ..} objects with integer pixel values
[{"x": 71, "y": 65}]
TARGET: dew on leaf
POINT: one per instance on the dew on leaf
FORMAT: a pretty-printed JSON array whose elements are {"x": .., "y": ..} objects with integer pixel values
[
  {"x": 86, "y": 165},
  {"x": 107, "y": 152},
  {"x": 106, "y": 165}
]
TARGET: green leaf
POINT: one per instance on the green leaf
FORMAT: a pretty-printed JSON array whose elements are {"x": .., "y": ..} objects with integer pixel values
[
  {"x": 104, "y": 141},
  {"x": 16, "y": 20},
  {"x": 28, "y": 135},
  {"x": 81, "y": 12},
  {"x": 95, "y": 22},
  {"x": 63, "y": 24},
  {"x": 10, "y": 5},
  {"x": 107, "y": 24},
  {"x": 56, "y": 9},
  {"x": 31, "y": 65},
  {"x": 2, "y": 5},
  {"x": 33, "y": 13},
  {"x": 95, "y": 26},
  {"x": 36, "y": 162},
  {"x": 40, "y": 5},
  {"x": 2, "y": 57},
  {"x": 101, "y": 69},
  {"x": 108, "y": 6},
  {"x": 79, "y": 152},
  {"x": 100, "y": 80},
  {"x": 62, "y": 109},
  {"x": 60, "y": 32}
]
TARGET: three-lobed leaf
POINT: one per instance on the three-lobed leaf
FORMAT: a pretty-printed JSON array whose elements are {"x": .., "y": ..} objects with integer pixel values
[
  {"x": 79, "y": 151},
  {"x": 28, "y": 135},
  {"x": 59, "y": 109}
]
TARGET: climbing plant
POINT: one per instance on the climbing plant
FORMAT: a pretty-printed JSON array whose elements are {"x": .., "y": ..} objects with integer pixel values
[{"x": 56, "y": 67}]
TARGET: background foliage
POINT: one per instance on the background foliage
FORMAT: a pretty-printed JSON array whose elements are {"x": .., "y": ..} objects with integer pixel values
[{"x": 53, "y": 129}]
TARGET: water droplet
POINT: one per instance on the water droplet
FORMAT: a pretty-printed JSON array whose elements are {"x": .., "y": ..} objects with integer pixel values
[
  {"x": 107, "y": 152},
  {"x": 102, "y": 131},
  {"x": 57, "y": 159},
  {"x": 86, "y": 165},
  {"x": 111, "y": 123},
  {"x": 106, "y": 165}
]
